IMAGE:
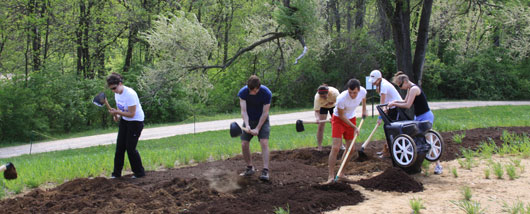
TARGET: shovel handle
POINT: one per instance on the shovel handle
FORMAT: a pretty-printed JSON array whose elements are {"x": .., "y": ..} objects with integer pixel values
[
  {"x": 348, "y": 153},
  {"x": 370, "y": 137},
  {"x": 107, "y": 104}
]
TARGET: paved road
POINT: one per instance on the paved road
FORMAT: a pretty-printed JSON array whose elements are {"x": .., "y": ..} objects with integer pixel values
[{"x": 168, "y": 131}]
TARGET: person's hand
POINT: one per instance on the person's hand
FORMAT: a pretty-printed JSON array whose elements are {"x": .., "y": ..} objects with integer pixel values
[
  {"x": 114, "y": 111},
  {"x": 254, "y": 132},
  {"x": 356, "y": 130},
  {"x": 391, "y": 104},
  {"x": 247, "y": 130},
  {"x": 379, "y": 121},
  {"x": 116, "y": 118},
  {"x": 365, "y": 114}
]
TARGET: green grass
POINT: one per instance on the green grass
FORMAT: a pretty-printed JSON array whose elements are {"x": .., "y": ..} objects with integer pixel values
[
  {"x": 198, "y": 118},
  {"x": 60, "y": 166},
  {"x": 466, "y": 191},
  {"x": 517, "y": 207},
  {"x": 455, "y": 172},
  {"x": 281, "y": 210},
  {"x": 498, "y": 170}
]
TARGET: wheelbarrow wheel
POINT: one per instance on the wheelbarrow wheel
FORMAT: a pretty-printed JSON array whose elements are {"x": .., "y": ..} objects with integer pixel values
[
  {"x": 434, "y": 139},
  {"x": 404, "y": 151}
]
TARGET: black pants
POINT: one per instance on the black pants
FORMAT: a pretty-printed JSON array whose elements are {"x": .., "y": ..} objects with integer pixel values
[{"x": 128, "y": 135}]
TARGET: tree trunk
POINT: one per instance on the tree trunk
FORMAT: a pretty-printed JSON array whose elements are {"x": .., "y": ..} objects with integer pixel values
[
  {"x": 400, "y": 22},
  {"x": 133, "y": 31},
  {"x": 384, "y": 27},
  {"x": 360, "y": 9},
  {"x": 35, "y": 34},
  {"x": 349, "y": 21},
  {"x": 335, "y": 7},
  {"x": 99, "y": 53},
  {"x": 422, "y": 41}
]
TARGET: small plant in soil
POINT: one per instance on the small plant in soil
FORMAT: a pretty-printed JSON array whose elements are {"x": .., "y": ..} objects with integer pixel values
[
  {"x": 466, "y": 191},
  {"x": 516, "y": 208},
  {"x": 280, "y": 210},
  {"x": 455, "y": 172},
  {"x": 486, "y": 149},
  {"x": 510, "y": 170},
  {"x": 425, "y": 165},
  {"x": 469, "y": 207},
  {"x": 516, "y": 162},
  {"x": 457, "y": 138},
  {"x": 469, "y": 161},
  {"x": 487, "y": 173},
  {"x": 416, "y": 204},
  {"x": 498, "y": 170}
]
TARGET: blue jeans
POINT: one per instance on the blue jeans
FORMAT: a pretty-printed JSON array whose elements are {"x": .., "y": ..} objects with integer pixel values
[{"x": 425, "y": 116}]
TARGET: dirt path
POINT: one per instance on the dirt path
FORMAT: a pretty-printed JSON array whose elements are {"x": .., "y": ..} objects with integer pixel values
[
  {"x": 215, "y": 187},
  {"x": 168, "y": 131}
]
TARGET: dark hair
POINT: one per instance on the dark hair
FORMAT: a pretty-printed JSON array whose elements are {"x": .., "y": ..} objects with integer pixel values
[
  {"x": 353, "y": 84},
  {"x": 323, "y": 89},
  {"x": 253, "y": 82},
  {"x": 114, "y": 79},
  {"x": 399, "y": 78}
]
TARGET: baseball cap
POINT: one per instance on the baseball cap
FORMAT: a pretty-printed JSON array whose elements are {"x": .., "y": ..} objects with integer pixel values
[{"x": 374, "y": 75}]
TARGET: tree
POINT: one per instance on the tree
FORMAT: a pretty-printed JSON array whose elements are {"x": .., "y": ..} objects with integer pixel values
[{"x": 399, "y": 16}]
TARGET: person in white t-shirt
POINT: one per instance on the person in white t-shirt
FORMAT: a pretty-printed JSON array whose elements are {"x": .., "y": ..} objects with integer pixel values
[
  {"x": 130, "y": 128},
  {"x": 388, "y": 93},
  {"x": 344, "y": 122},
  {"x": 325, "y": 101}
]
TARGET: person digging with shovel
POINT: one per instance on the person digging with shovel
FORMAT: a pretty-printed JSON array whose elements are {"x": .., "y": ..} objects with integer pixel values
[
  {"x": 344, "y": 123},
  {"x": 387, "y": 93},
  {"x": 131, "y": 125},
  {"x": 255, "y": 102},
  {"x": 325, "y": 101}
]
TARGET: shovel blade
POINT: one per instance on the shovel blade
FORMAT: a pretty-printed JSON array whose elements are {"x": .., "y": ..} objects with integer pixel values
[{"x": 99, "y": 99}]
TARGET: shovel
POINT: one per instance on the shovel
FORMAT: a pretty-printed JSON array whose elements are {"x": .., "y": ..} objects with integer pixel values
[
  {"x": 10, "y": 172},
  {"x": 362, "y": 156},
  {"x": 101, "y": 100},
  {"x": 300, "y": 124},
  {"x": 348, "y": 152}
]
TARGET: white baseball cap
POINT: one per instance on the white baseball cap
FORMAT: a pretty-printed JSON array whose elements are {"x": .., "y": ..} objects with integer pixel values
[{"x": 374, "y": 76}]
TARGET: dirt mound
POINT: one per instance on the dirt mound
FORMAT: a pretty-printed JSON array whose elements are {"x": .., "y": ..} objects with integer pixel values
[
  {"x": 392, "y": 180},
  {"x": 215, "y": 187}
]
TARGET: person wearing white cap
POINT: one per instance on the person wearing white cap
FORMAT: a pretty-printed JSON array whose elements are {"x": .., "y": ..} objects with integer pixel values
[
  {"x": 325, "y": 101},
  {"x": 388, "y": 93}
]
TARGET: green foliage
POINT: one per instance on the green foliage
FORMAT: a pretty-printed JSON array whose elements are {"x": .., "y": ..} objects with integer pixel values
[
  {"x": 425, "y": 165},
  {"x": 455, "y": 172},
  {"x": 517, "y": 207},
  {"x": 281, "y": 210},
  {"x": 479, "y": 76},
  {"x": 511, "y": 171},
  {"x": 457, "y": 138},
  {"x": 416, "y": 204},
  {"x": 487, "y": 173},
  {"x": 469, "y": 207},
  {"x": 498, "y": 169},
  {"x": 297, "y": 21},
  {"x": 466, "y": 191}
]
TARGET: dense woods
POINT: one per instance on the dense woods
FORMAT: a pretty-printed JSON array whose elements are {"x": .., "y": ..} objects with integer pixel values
[{"x": 188, "y": 57}]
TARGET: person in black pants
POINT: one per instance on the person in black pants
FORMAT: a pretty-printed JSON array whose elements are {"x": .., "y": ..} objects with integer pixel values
[{"x": 131, "y": 125}]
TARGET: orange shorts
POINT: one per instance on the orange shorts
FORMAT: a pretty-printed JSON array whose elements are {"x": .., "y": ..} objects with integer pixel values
[{"x": 340, "y": 129}]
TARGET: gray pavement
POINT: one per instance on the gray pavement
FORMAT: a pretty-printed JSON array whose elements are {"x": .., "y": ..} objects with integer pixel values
[{"x": 168, "y": 131}]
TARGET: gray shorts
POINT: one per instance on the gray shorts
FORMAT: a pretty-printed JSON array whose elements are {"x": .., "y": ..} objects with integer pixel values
[{"x": 264, "y": 132}]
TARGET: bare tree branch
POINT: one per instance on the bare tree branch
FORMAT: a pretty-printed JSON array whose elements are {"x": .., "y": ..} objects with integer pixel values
[{"x": 241, "y": 51}]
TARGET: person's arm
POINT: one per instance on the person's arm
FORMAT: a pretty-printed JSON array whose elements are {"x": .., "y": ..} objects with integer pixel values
[
  {"x": 409, "y": 99},
  {"x": 244, "y": 114},
  {"x": 316, "y": 107},
  {"x": 365, "y": 113},
  {"x": 346, "y": 120},
  {"x": 263, "y": 117},
  {"x": 131, "y": 111}
]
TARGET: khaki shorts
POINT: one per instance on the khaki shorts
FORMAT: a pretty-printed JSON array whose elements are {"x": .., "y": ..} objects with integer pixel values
[{"x": 264, "y": 132}]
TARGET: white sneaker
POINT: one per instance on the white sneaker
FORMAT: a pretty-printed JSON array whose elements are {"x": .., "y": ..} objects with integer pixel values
[{"x": 438, "y": 169}]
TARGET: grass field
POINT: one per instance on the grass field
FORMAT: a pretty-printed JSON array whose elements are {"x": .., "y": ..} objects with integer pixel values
[{"x": 57, "y": 167}]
